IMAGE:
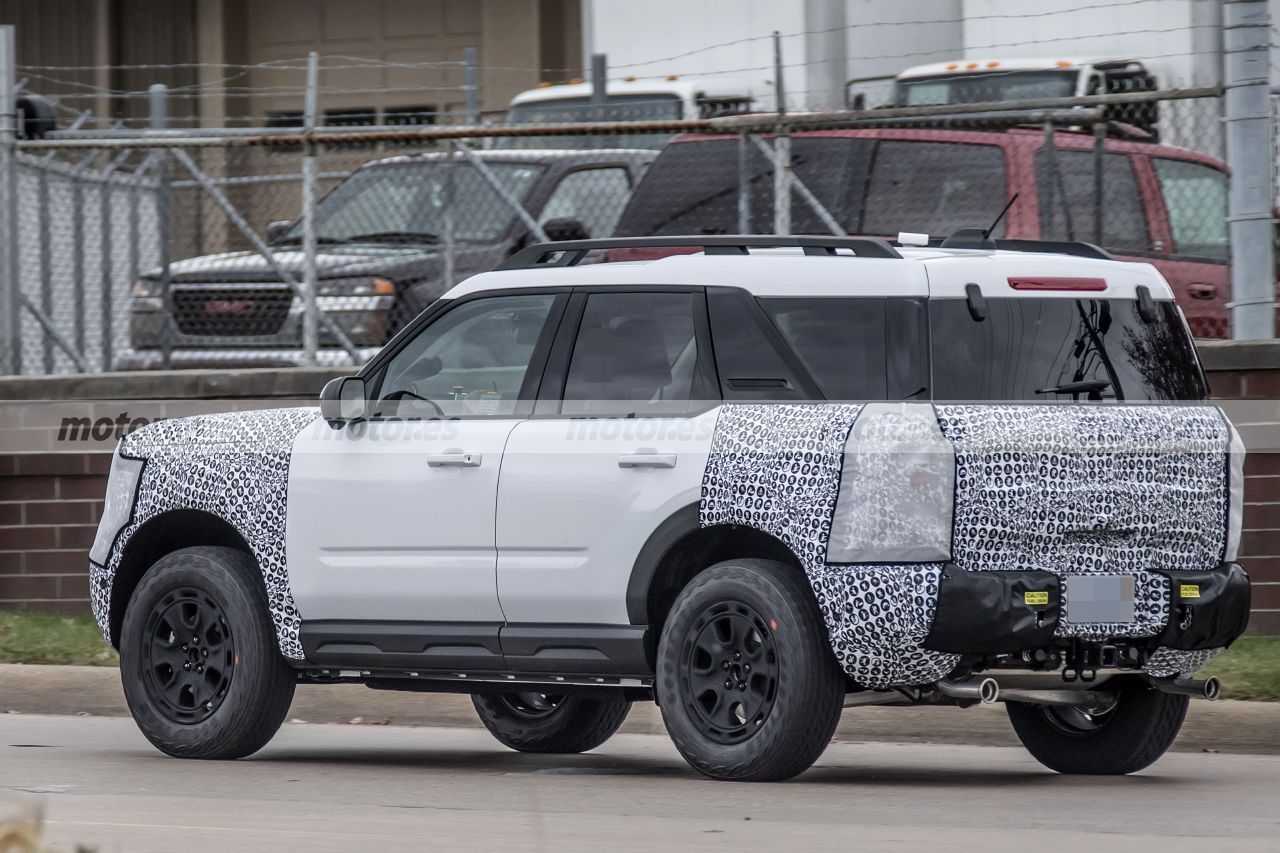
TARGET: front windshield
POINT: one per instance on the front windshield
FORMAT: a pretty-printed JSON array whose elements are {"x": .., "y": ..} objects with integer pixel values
[
  {"x": 405, "y": 202},
  {"x": 978, "y": 88},
  {"x": 651, "y": 107}
]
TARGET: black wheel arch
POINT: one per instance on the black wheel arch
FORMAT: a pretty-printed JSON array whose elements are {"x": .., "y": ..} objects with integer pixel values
[
  {"x": 677, "y": 550},
  {"x": 165, "y": 533}
]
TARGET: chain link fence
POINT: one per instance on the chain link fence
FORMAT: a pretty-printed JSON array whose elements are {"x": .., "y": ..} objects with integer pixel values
[{"x": 199, "y": 249}]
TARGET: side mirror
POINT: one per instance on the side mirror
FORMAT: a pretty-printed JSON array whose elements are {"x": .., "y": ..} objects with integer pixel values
[
  {"x": 278, "y": 229},
  {"x": 343, "y": 400},
  {"x": 565, "y": 229}
]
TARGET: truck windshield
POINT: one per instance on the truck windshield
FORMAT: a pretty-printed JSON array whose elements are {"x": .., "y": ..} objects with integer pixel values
[
  {"x": 647, "y": 107},
  {"x": 404, "y": 203},
  {"x": 1056, "y": 349},
  {"x": 969, "y": 88}
]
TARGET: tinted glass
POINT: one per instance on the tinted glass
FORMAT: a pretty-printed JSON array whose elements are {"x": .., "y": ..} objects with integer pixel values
[
  {"x": 934, "y": 188},
  {"x": 840, "y": 341},
  {"x": 635, "y": 353},
  {"x": 1069, "y": 206},
  {"x": 470, "y": 361},
  {"x": 749, "y": 364},
  {"x": 404, "y": 202},
  {"x": 1028, "y": 346},
  {"x": 594, "y": 197},
  {"x": 975, "y": 88},
  {"x": 692, "y": 188},
  {"x": 652, "y": 107},
  {"x": 1195, "y": 197}
]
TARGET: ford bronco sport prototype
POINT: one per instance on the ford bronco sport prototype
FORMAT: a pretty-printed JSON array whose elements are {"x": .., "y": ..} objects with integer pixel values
[{"x": 754, "y": 484}]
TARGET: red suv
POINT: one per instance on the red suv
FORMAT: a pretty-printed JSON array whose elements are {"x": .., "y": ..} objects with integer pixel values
[{"x": 1155, "y": 203}]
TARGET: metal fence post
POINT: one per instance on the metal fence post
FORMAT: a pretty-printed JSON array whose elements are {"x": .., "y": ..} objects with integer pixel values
[
  {"x": 447, "y": 217},
  {"x": 471, "y": 84},
  {"x": 11, "y": 327},
  {"x": 310, "y": 283},
  {"x": 1247, "y": 115},
  {"x": 781, "y": 148},
  {"x": 744, "y": 185},
  {"x": 158, "y": 120}
]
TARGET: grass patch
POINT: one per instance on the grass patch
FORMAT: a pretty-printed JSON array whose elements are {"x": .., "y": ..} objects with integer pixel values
[
  {"x": 27, "y": 637},
  {"x": 1250, "y": 669}
]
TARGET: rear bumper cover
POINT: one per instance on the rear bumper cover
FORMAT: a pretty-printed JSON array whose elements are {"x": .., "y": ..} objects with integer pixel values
[{"x": 1006, "y": 612}]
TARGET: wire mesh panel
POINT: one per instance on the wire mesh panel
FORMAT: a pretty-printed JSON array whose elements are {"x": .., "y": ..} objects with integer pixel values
[{"x": 194, "y": 252}]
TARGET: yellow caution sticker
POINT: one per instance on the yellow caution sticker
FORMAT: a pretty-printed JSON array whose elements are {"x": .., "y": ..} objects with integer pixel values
[
  {"x": 1035, "y": 597},
  {"x": 1189, "y": 590}
]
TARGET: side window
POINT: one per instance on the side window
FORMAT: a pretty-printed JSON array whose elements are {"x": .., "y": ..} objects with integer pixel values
[
  {"x": 841, "y": 342},
  {"x": 594, "y": 197},
  {"x": 1195, "y": 196},
  {"x": 749, "y": 365},
  {"x": 934, "y": 187},
  {"x": 470, "y": 361},
  {"x": 1069, "y": 207},
  {"x": 636, "y": 353}
]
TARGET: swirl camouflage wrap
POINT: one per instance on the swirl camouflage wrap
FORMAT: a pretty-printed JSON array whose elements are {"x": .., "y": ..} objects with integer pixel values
[
  {"x": 1074, "y": 490},
  {"x": 233, "y": 465}
]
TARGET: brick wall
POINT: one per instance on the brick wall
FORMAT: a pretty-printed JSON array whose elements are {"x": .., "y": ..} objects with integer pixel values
[
  {"x": 49, "y": 501},
  {"x": 49, "y": 507}
]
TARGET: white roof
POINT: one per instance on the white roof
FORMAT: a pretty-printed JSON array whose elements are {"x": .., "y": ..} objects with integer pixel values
[
  {"x": 978, "y": 66},
  {"x": 933, "y": 272},
  {"x": 680, "y": 88}
]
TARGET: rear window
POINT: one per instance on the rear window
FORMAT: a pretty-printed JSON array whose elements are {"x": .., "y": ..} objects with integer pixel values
[
  {"x": 692, "y": 188},
  {"x": 1195, "y": 196},
  {"x": 1027, "y": 348},
  {"x": 869, "y": 186}
]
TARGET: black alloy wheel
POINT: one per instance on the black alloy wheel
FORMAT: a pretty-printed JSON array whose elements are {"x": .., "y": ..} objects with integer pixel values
[
  {"x": 730, "y": 668},
  {"x": 189, "y": 656}
]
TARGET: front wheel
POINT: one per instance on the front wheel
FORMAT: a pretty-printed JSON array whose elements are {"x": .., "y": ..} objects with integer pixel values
[
  {"x": 1123, "y": 738},
  {"x": 202, "y": 674},
  {"x": 747, "y": 682},
  {"x": 550, "y": 723}
]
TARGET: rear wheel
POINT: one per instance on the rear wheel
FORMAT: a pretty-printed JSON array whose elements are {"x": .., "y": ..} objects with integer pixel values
[
  {"x": 1123, "y": 738},
  {"x": 747, "y": 683},
  {"x": 198, "y": 658},
  {"x": 543, "y": 722}
]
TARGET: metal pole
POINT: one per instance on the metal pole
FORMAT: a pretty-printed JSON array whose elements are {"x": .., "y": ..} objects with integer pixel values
[
  {"x": 471, "y": 83},
  {"x": 1099, "y": 149},
  {"x": 806, "y": 195},
  {"x": 781, "y": 148},
  {"x": 448, "y": 221},
  {"x": 1247, "y": 116},
  {"x": 46, "y": 263},
  {"x": 159, "y": 119},
  {"x": 106, "y": 228},
  {"x": 310, "y": 283},
  {"x": 503, "y": 192},
  {"x": 599, "y": 82},
  {"x": 11, "y": 328},
  {"x": 744, "y": 185}
]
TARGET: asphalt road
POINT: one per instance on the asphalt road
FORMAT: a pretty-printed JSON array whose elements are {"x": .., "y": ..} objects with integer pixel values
[{"x": 333, "y": 787}]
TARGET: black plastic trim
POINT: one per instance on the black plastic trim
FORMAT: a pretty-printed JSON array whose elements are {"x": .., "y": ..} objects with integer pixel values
[
  {"x": 1214, "y": 615},
  {"x": 665, "y": 536},
  {"x": 987, "y": 613},
  {"x": 576, "y": 649}
]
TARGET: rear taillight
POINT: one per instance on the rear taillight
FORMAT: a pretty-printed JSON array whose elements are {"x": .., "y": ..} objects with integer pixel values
[{"x": 1057, "y": 283}]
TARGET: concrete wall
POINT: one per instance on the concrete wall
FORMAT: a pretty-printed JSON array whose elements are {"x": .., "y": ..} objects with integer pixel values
[{"x": 50, "y": 497}]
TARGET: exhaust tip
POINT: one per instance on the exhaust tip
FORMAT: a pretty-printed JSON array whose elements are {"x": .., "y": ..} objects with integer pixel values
[
  {"x": 1212, "y": 687},
  {"x": 989, "y": 691}
]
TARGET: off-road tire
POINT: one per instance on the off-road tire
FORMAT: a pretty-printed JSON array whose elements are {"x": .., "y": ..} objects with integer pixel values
[
  {"x": 576, "y": 723},
  {"x": 259, "y": 684},
  {"x": 1139, "y": 730},
  {"x": 787, "y": 726}
]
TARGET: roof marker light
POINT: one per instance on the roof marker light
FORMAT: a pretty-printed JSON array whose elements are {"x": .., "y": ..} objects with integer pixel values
[
  {"x": 971, "y": 65},
  {"x": 953, "y": 66},
  {"x": 575, "y": 81},
  {"x": 1062, "y": 63},
  {"x": 993, "y": 64},
  {"x": 1057, "y": 283},
  {"x": 671, "y": 78},
  {"x": 544, "y": 85},
  {"x": 630, "y": 78}
]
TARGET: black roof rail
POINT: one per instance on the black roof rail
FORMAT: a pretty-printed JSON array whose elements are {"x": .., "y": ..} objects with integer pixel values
[
  {"x": 571, "y": 252},
  {"x": 971, "y": 238}
]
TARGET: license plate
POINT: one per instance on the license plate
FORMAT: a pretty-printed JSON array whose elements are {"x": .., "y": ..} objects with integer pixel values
[{"x": 1099, "y": 598}]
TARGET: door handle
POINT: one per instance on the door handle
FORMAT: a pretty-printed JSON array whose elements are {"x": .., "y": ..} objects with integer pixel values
[
  {"x": 647, "y": 459},
  {"x": 454, "y": 459}
]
